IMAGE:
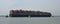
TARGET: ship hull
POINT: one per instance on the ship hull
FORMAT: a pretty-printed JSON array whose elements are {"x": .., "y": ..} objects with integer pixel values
[{"x": 22, "y": 15}]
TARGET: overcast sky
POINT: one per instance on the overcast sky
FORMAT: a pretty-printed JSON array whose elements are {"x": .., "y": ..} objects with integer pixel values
[{"x": 52, "y": 6}]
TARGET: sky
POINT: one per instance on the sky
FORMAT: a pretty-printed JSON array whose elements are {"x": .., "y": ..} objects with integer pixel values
[{"x": 52, "y": 6}]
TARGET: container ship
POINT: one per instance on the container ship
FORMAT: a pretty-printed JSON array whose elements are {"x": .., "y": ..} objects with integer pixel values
[{"x": 26, "y": 13}]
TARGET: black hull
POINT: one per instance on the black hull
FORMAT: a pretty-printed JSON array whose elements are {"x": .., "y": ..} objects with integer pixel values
[
  {"x": 48, "y": 15},
  {"x": 16, "y": 15}
]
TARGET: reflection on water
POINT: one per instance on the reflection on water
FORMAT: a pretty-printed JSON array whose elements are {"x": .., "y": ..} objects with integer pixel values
[{"x": 30, "y": 20}]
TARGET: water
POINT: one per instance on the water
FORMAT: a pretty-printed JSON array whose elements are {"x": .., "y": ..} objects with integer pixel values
[{"x": 30, "y": 20}]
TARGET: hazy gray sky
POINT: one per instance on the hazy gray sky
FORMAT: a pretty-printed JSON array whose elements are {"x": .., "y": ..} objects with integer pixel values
[{"x": 52, "y": 6}]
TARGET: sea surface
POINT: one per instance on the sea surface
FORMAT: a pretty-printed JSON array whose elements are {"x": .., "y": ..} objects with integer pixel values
[{"x": 30, "y": 20}]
